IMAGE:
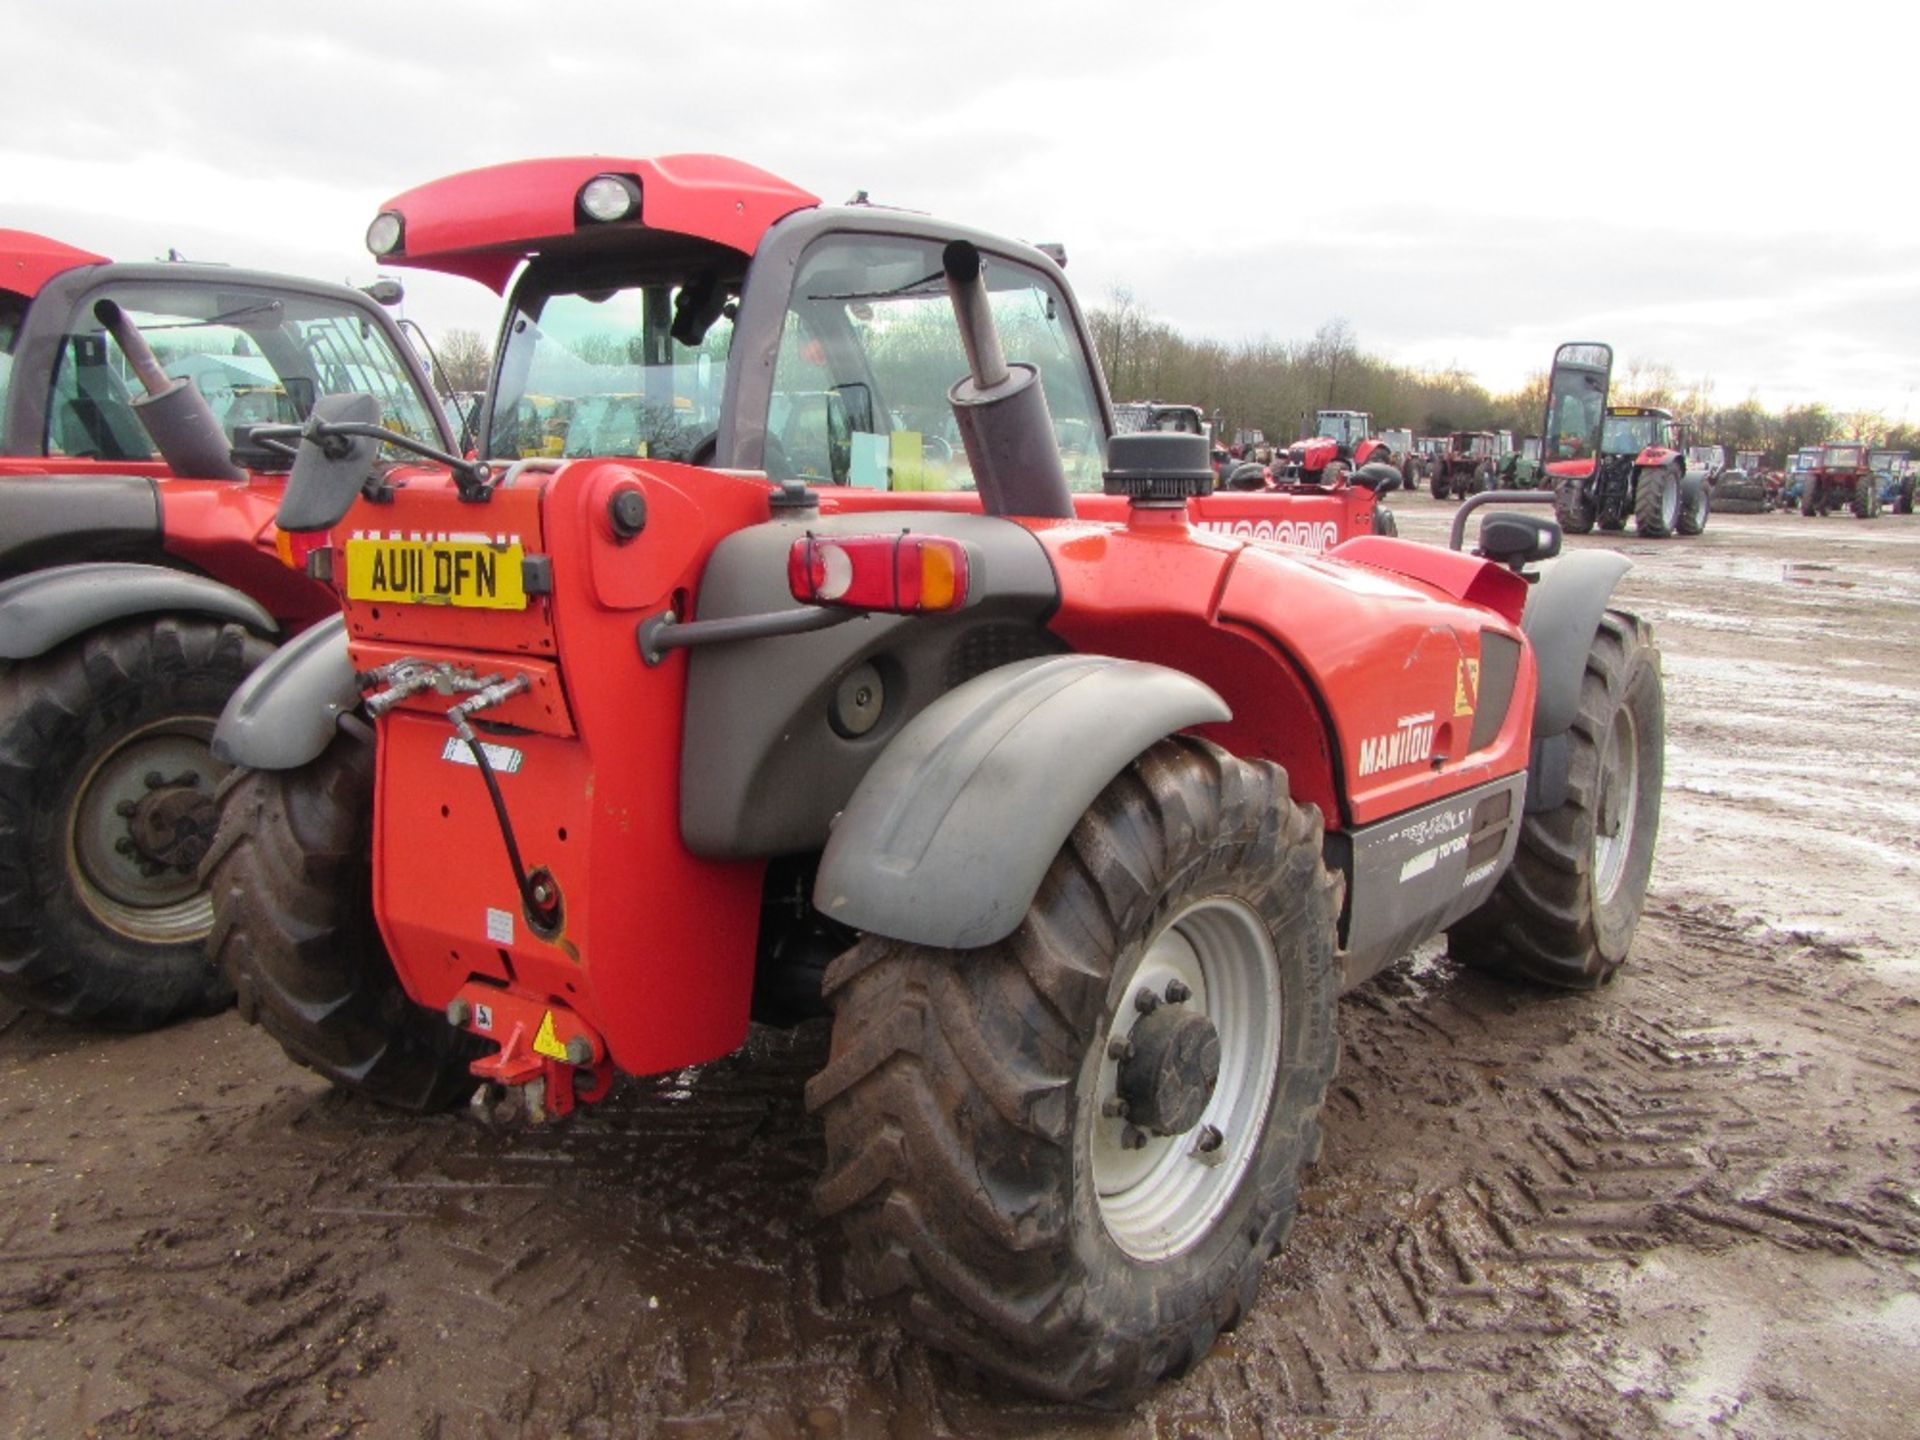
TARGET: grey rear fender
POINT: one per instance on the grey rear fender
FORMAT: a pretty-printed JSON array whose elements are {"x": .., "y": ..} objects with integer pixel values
[
  {"x": 1562, "y": 617},
  {"x": 948, "y": 836},
  {"x": 50, "y": 607},
  {"x": 285, "y": 713}
]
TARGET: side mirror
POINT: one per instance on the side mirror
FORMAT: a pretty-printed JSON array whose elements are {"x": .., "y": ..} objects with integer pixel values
[
  {"x": 329, "y": 468},
  {"x": 1517, "y": 540}
]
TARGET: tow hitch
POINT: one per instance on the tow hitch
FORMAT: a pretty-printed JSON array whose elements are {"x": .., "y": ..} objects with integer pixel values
[{"x": 548, "y": 1062}]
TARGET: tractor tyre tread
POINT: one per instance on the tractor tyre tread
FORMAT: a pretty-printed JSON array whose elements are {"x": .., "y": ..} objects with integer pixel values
[
  {"x": 1542, "y": 922},
  {"x": 950, "y": 1094},
  {"x": 57, "y": 712},
  {"x": 291, "y": 876}
]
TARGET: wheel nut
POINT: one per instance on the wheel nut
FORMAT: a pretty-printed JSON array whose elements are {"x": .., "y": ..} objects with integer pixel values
[
  {"x": 1119, "y": 1049},
  {"x": 1145, "y": 1001},
  {"x": 579, "y": 1051},
  {"x": 1208, "y": 1140},
  {"x": 1114, "y": 1108},
  {"x": 458, "y": 1012},
  {"x": 126, "y": 809},
  {"x": 123, "y": 845},
  {"x": 1178, "y": 993},
  {"x": 1133, "y": 1138}
]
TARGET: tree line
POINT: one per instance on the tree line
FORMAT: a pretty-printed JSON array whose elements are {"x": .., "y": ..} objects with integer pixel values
[{"x": 1271, "y": 384}]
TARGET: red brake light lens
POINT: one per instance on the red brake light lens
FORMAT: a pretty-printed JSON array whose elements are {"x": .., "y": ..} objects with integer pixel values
[{"x": 902, "y": 574}]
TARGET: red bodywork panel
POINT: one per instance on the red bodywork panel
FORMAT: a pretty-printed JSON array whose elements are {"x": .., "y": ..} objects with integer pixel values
[
  {"x": 1655, "y": 456},
  {"x": 222, "y": 529},
  {"x": 28, "y": 261},
  {"x": 1572, "y": 469},
  {"x": 655, "y": 958},
  {"x": 483, "y": 223}
]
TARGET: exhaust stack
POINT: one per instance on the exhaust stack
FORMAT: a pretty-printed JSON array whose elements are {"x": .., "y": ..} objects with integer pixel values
[
  {"x": 176, "y": 415},
  {"x": 1001, "y": 408}
]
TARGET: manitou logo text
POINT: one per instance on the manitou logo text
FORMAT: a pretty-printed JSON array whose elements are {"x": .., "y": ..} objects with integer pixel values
[
  {"x": 1410, "y": 743},
  {"x": 1307, "y": 534}
]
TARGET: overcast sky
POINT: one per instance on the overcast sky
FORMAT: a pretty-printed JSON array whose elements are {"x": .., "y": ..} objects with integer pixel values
[{"x": 1726, "y": 189}]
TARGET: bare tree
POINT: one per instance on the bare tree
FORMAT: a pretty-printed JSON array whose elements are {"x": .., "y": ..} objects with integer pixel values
[{"x": 465, "y": 360}]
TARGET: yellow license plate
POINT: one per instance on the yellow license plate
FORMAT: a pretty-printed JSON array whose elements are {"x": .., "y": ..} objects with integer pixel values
[{"x": 468, "y": 573}]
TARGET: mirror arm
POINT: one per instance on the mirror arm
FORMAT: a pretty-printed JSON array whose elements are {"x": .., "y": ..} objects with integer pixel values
[{"x": 472, "y": 478}]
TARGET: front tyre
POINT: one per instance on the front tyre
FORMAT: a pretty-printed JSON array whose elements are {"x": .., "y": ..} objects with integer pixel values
[
  {"x": 1866, "y": 498},
  {"x": 1694, "y": 508},
  {"x": 1656, "y": 502},
  {"x": 1066, "y": 1156},
  {"x": 1566, "y": 910},
  {"x": 290, "y": 874},
  {"x": 106, "y": 809},
  {"x": 1573, "y": 508}
]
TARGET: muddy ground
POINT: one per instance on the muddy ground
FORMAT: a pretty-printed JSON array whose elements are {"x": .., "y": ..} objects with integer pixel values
[{"x": 1688, "y": 1204}]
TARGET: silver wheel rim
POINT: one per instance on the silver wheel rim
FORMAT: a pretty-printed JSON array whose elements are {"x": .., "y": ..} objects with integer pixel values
[
  {"x": 1619, "y": 804},
  {"x": 168, "y": 908},
  {"x": 1165, "y": 1196}
]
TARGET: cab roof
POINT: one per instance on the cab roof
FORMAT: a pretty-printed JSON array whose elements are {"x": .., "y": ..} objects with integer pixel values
[
  {"x": 483, "y": 223},
  {"x": 28, "y": 261},
  {"x": 1639, "y": 410}
]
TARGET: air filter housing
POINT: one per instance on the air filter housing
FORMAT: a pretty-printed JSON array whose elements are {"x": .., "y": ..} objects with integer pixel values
[{"x": 1152, "y": 466}]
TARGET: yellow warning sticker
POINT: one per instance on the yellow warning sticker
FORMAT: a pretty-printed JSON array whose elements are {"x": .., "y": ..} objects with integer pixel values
[
  {"x": 1466, "y": 687},
  {"x": 546, "y": 1042}
]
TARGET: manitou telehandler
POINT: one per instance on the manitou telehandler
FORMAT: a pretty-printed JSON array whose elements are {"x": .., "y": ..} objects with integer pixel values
[
  {"x": 139, "y": 581},
  {"x": 1078, "y": 815}
]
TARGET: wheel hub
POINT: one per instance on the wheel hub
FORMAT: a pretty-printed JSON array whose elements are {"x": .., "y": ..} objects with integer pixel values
[
  {"x": 173, "y": 825},
  {"x": 1170, "y": 1069}
]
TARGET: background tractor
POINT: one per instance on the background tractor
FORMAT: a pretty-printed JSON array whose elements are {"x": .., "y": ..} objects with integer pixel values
[
  {"x": 1076, "y": 813},
  {"x": 1341, "y": 441},
  {"x": 139, "y": 583},
  {"x": 1893, "y": 470},
  {"x": 1639, "y": 473},
  {"x": 1840, "y": 476},
  {"x": 1469, "y": 464}
]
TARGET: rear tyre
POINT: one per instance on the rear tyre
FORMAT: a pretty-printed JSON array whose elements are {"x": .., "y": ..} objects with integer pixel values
[
  {"x": 1810, "y": 498},
  {"x": 106, "y": 809},
  {"x": 1483, "y": 478},
  {"x": 1567, "y": 908},
  {"x": 1866, "y": 498},
  {"x": 1694, "y": 509},
  {"x": 1656, "y": 502},
  {"x": 1572, "y": 508},
  {"x": 291, "y": 878},
  {"x": 1383, "y": 521},
  {"x": 1904, "y": 504},
  {"x": 989, "y": 1188},
  {"x": 1440, "y": 486}
]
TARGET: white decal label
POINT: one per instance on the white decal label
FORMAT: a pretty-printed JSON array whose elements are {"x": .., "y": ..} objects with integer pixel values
[
  {"x": 1479, "y": 873},
  {"x": 1304, "y": 534},
  {"x": 503, "y": 758},
  {"x": 1409, "y": 743},
  {"x": 483, "y": 1018},
  {"x": 500, "y": 926},
  {"x": 1427, "y": 859}
]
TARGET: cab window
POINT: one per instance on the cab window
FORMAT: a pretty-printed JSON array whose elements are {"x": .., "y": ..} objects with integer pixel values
[
  {"x": 870, "y": 348},
  {"x": 634, "y": 370},
  {"x": 257, "y": 357}
]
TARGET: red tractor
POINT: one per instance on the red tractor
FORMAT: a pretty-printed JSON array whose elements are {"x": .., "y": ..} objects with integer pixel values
[
  {"x": 1638, "y": 472},
  {"x": 1467, "y": 464},
  {"x": 139, "y": 582},
  {"x": 1341, "y": 442},
  {"x": 1840, "y": 476},
  {"x": 1077, "y": 814}
]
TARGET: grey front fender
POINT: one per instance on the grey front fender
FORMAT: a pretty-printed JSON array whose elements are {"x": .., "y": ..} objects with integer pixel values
[
  {"x": 948, "y": 836},
  {"x": 1562, "y": 617},
  {"x": 49, "y": 607},
  {"x": 285, "y": 713}
]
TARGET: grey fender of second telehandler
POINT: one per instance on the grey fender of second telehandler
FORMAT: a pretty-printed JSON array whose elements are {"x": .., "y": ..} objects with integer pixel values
[
  {"x": 49, "y": 607},
  {"x": 286, "y": 712},
  {"x": 1562, "y": 617},
  {"x": 948, "y": 836}
]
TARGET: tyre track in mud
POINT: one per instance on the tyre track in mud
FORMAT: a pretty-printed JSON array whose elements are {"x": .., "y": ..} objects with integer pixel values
[{"x": 1536, "y": 1214}]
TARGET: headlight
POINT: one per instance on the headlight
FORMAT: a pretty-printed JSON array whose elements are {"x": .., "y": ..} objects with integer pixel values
[
  {"x": 386, "y": 232},
  {"x": 609, "y": 197}
]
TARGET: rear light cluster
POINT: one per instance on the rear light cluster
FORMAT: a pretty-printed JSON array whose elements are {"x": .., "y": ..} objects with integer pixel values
[
  {"x": 296, "y": 548},
  {"x": 903, "y": 574}
]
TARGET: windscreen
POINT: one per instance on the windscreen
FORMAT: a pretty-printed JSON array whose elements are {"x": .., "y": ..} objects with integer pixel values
[
  {"x": 1628, "y": 434},
  {"x": 635, "y": 370},
  {"x": 1576, "y": 403},
  {"x": 258, "y": 356}
]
